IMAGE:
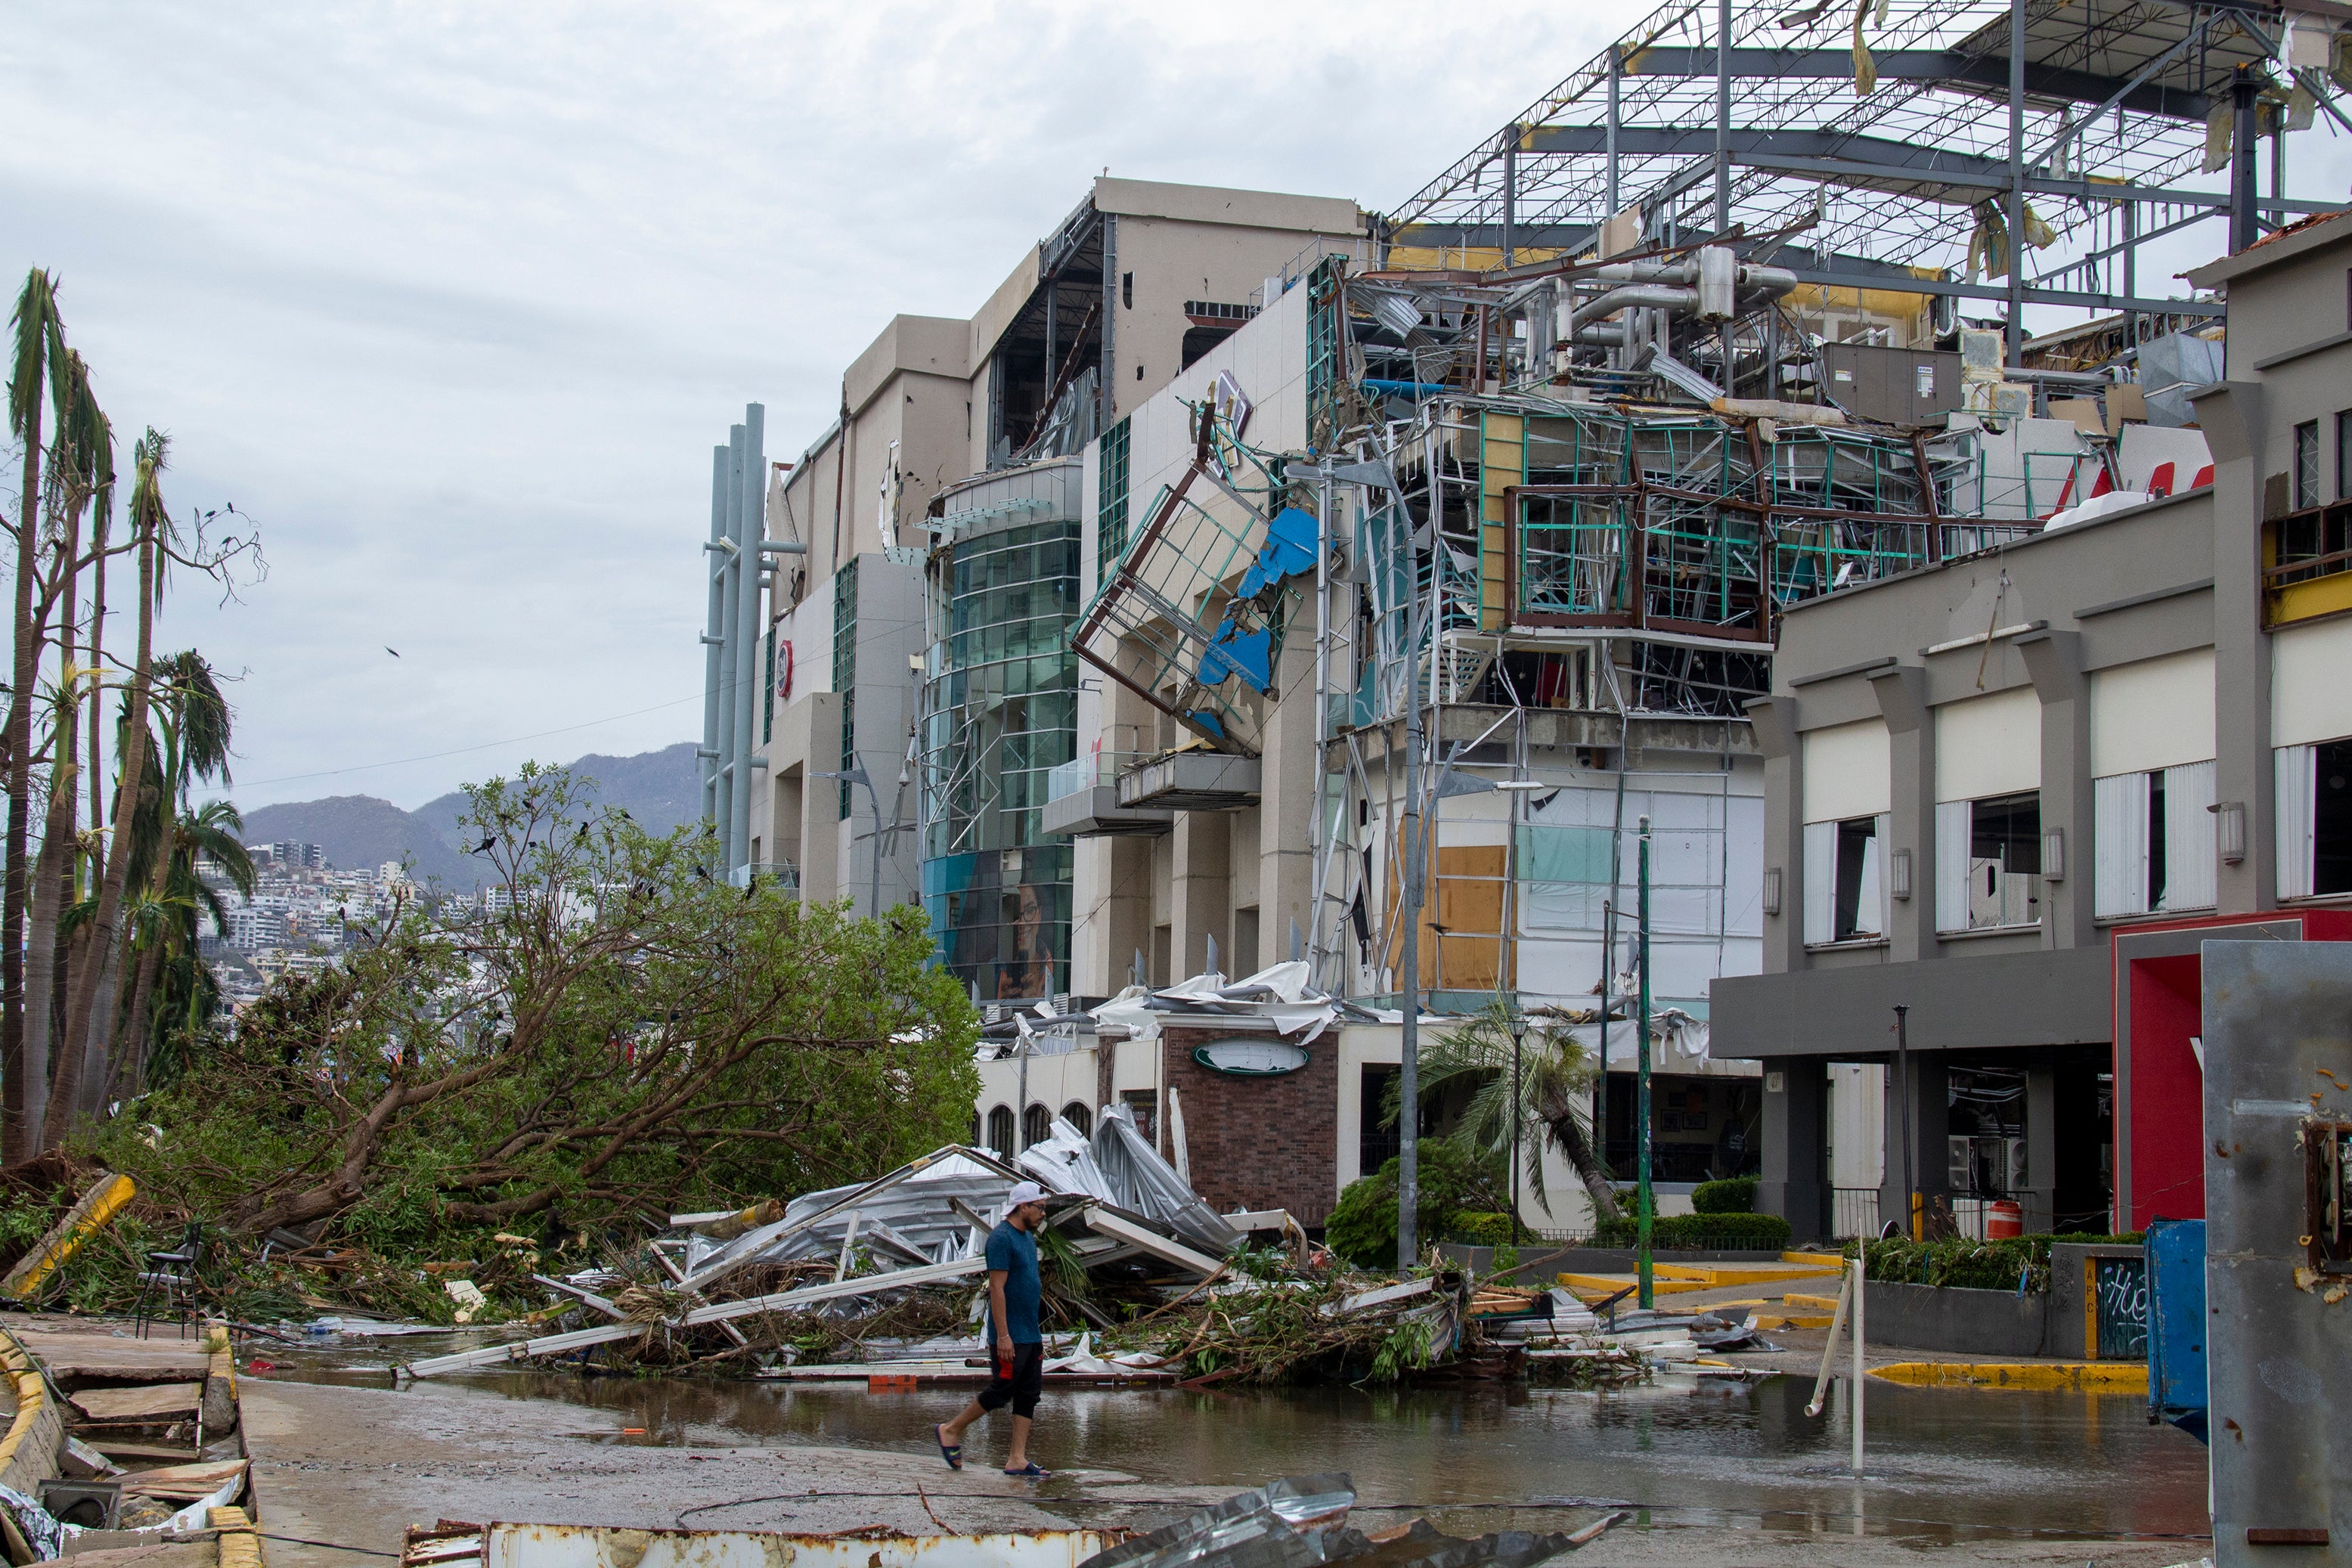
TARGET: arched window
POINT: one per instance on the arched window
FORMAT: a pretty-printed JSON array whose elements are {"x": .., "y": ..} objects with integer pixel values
[
  {"x": 1076, "y": 1114},
  {"x": 1036, "y": 1125},
  {"x": 999, "y": 1131}
]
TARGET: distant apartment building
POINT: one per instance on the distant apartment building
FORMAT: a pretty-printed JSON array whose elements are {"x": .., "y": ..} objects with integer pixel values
[{"x": 253, "y": 927}]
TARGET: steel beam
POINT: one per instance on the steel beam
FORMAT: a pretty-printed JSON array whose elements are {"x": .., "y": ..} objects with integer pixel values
[
  {"x": 1948, "y": 68},
  {"x": 2076, "y": 298}
]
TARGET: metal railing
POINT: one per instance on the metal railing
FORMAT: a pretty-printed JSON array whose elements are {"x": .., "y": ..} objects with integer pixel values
[
  {"x": 1087, "y": 770},
  {"x": 773, "y": 873},
  {"x": 1853, "y": 1211}
]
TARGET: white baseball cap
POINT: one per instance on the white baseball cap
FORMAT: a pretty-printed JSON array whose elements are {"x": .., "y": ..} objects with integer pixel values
[{"x": 1023, "y": 1192}]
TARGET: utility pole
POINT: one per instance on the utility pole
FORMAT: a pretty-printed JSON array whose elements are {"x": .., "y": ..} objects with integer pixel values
[
  {"x": 1409, "y": 1070},
  {"x": 1518, "y": 1037},
  {"x": 1903, "y": 1061},
  {"x": 1642, "y": 1091}
]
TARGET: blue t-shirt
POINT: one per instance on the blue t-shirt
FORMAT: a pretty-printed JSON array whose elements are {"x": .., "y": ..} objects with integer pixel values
[{"x": 1014, "y": 1251}]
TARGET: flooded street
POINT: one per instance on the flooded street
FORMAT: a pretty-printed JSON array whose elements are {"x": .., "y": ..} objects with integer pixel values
[{"x": 1944, "y": 1464}]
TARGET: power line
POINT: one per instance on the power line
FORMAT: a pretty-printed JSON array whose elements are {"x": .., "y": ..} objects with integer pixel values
[{"x": 484, "y": 746}]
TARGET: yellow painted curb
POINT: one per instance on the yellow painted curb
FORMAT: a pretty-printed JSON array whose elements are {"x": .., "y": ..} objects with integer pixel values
[
  {"x": 1719, "y": 1275},
  {"x": 1783, "y": 1320},
  {"x": 2091, "y": 1377},
  {"x": 101, "y": 1204},
  {"x": 1825, "y": 1262},
  {"x": 1607, "y": 1285},
  {"x": 240, "y": 1547},
  {"x": 1810, "y": 1304}
]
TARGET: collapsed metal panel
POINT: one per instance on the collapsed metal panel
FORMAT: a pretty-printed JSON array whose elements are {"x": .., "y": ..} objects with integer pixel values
[{"x": 1193, "y": 614}]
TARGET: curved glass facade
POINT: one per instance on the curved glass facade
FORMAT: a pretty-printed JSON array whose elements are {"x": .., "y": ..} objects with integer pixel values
[{"x": 1000, "y": 711}]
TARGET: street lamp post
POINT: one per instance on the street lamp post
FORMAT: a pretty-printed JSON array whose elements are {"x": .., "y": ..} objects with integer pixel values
[
  {"x": 855, "y": 773},
  {"x": 1519, "y": 1039},
  {"x": 1642, "y": 1086}
]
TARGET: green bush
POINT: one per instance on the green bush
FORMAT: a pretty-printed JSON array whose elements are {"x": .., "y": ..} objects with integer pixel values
[
  {"x": 1733, "y": 1194},
  {"x": 1969, "y": 1265},
  {"x": 1451, "y": 1178},
  {"x": 1701, "y": 1232},
  {"x": 1473, "y": 1228}
]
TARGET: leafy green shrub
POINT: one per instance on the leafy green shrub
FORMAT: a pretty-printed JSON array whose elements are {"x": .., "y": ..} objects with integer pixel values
[
  {"x": 1475, "y": 1229},
  {"x": 1970, "y": 1264},
  {"x": 1451, "y": 1178},
  {"x": 1733, "y": 1194},
  {"x": 1701, "y": 1232}
]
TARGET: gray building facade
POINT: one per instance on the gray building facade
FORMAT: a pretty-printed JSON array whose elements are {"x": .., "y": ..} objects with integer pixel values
[{"x": 2007, "y": 794}]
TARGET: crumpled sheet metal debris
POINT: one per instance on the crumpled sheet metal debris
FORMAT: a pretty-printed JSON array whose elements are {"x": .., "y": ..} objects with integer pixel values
[{"x": 1302, "y": 1523}]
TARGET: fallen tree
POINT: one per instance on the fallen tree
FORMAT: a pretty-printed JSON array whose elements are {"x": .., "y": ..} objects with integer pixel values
[{"x": 613, "y": 1033}]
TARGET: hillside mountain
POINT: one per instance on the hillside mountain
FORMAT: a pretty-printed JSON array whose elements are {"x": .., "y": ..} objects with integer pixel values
[
  {"x": 359, "y": 830},
  {"x": 660, "y": 790}
]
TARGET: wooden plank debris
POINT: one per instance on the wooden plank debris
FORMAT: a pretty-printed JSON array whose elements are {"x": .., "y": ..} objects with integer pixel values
[{"x": 145, "y": 1402}]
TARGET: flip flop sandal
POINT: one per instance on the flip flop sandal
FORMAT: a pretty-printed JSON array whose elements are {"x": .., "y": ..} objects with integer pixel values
[
  {"x": 1031, "y": 1471},
  {"x": 951, "y": 1452}
]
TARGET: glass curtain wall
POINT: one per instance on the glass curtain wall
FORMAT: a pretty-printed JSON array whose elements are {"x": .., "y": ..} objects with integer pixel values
[{"x": 1000, "y": 711}]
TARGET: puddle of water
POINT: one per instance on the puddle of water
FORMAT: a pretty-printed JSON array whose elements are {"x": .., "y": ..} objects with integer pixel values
[{"x": 1942, "y": 1463}]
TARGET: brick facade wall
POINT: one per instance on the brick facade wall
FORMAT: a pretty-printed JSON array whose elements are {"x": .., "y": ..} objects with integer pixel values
[{"x": 1259, "y": 1142}]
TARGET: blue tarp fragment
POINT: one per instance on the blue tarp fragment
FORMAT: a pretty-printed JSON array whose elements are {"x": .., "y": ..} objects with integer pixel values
[
  {"x": 1209, "y": 721},
  {"x": 1234, "y": 651},
  {"x": 1289, "y": 551}
]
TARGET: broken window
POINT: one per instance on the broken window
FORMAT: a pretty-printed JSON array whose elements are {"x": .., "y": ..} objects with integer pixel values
[
  {"x": 2314, "y": 819},
  {"x": 2306, "y": 464},
  {"x": 1845, "y": 886},
  {"x": 2154, "y": 841},
  {"x": 1988, "y": 862}
]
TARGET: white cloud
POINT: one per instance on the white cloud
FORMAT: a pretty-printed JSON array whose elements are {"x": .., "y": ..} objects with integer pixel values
[{"x": 453, "y": 301}]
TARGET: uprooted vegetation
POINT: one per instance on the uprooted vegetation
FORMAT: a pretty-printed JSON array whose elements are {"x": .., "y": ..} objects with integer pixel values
[{"x": 531, "y": 1089}]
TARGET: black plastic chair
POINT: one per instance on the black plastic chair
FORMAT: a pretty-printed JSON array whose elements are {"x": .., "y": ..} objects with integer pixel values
[{"x": 168, "y": 1283}]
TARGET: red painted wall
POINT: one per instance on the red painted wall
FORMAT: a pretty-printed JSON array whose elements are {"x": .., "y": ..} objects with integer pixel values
[
  {"x": 2165, "y": 1108},
  {"x": 2168, "y": 1091}
]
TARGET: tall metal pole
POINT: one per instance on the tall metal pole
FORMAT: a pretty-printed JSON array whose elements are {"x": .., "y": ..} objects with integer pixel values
[
  {"x": 1608, "y": 979},
  {"x": 1903, "y": 1064},
  {"x": 2243, "y": 228},
  {"x": 730, "y": 652},
  {"x": 1518, "y": 1035},
  {"x": 751, "y": 525},
  {"x": 1642, "y": 1091},
  {"x": 714, "y": 636},
  {"x": 1723, "y": 129},
  {"x": 874, "y": 884},
  {"x": 1609, "y": 149},
  {"x": 1409, "y": 1070},
  {"x": 2016, "y": 182},
  {"x": 1510, "y": 194}
]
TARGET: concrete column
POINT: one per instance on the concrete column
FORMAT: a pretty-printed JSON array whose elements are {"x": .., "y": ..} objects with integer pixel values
[
  {"x": 1201, "y": 889},
  {"x": 1927, "y": 1095},
  {"x": 2041, "y": 1195},
  {"x": 1902, "y": 693},
  {"x": 1291, "y": 783},
  {"x": 2237, "y": 428},
  {"x": 2053, "y": 661},
  {"x": 1795, "y": 1183},
  {"x": 1774, "y": 720},
  {"x": 1113, "y": 879}
]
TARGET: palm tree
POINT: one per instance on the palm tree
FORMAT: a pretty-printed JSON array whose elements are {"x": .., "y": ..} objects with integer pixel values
[
  {"x": 82, "y": 466},
  {"x": 83, "y": 1057},
  {"x": 166, "y": 929},
  {"x": 168, "y": 836},
  {"x": 40, "y": 357},
  {"x": 1555, "y": 1071}
]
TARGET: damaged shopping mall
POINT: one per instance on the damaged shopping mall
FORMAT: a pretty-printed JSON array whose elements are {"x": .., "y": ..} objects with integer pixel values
[{"x": 1265, "y": 585}]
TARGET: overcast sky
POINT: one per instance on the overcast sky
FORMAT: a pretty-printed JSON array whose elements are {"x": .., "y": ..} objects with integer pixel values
[{"x": 454, "y": 299}]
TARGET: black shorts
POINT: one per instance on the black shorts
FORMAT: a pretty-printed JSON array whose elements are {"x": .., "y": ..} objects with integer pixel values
[{"x": 1018, "y": 1385}]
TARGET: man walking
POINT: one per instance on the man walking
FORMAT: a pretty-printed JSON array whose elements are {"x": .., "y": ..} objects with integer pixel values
[{"x": 1016, "y": 1348}]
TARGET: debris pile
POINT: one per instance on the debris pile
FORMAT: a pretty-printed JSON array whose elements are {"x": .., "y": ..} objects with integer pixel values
[{"x": 1303, "y": 1519}]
